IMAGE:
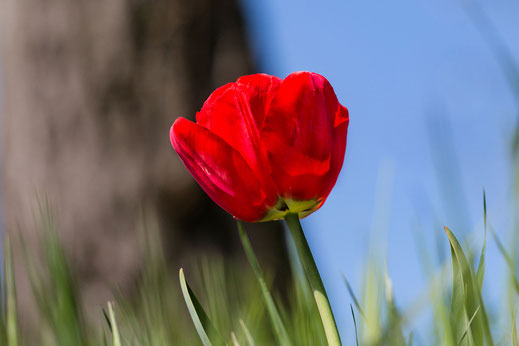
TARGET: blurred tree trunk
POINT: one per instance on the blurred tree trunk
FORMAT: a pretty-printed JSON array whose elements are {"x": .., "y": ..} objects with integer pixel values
[{"x": 91, "y": 89}]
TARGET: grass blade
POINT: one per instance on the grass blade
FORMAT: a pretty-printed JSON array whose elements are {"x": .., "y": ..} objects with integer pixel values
[
  {"x": 234, "y": 339},
  {"x": 116, "y": 337},
  {"x": 354, "y": 325},
  {"x": 395, "y": 321},
  {"x": 353, "y": 297},
  {"x": 203, "y": 325},
  {"x": 468, "y": 326},
  {"x": 481, "y": 267},
  {"x": 314, "y": 278},
  {"x": 279, "y": 327},
  {"x": 479, "y": 328},
  {"x": 247, "y": 333}
]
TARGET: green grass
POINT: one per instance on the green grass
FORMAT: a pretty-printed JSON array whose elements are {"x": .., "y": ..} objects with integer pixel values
[{"x": 221, "y": 302}]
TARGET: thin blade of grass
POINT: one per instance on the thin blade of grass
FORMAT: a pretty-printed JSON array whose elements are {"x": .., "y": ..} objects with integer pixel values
[
  {"x": 457, "y": 308},
  {"x": 277, "y": 323},
  {"x": 207, "y": 332},
  {"x": 247, "y": 333},
  {"x": 481, "y": 267},
  {"x": 116, "y": 337},
  {"x": 107, "y": 319},
  {"x": 234, "y": 339},
  {"x": 468, "y": 326},
  {"x": 479, "y": 328},
  {"x": 353, "y": 297},
  {"x": 355, "y": 326}
]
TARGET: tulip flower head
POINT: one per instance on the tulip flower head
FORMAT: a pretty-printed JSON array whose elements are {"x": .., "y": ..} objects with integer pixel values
[{"x": 263, "y": 147}]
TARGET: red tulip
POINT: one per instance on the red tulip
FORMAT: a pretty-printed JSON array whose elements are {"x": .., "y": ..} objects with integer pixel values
[{"x": 262, "y": 147}]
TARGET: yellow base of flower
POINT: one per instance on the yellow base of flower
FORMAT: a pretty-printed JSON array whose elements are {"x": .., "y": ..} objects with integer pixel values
[{"x": 288, "y": 205}]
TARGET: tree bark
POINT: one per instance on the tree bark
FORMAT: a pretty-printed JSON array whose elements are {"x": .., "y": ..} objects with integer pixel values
[{"x": 91, "y": 89}]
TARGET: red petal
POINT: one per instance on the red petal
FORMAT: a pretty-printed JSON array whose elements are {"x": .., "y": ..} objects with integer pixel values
[
  {"x": 298, "y": 134},
  {"x": 235, "y": 112},
  {"x": 220, "y": 170},
  {"x": 260, "y": 89},
  {"x": 340, "y": 134}
]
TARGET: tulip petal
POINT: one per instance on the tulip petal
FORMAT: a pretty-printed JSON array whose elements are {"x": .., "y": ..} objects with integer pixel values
[
  {"x": 298, "y": 134},
  {"x": 236, "y": 112},
  {"x": 260, "y": 89},
  {"x": 220, "y": 170},
  {"x": 340, "y": 134}
]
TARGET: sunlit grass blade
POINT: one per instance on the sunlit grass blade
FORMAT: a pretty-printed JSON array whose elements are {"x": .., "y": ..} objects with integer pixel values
[
  {"x": 480, "y": 274},
  {"x": 116, "y": 337},
  {"x": 393, "y": 332},
  {"x": 468, "y": 326},
  {"x": 443, "y": 327},
  {"x": 277, "y": 323},
  {"x": 457, "y": 311},
  {"x": 479, "y": 329},
  {"x": 314, "y": 279},
  {"x": 248, "y": 335},
  {"x": 11, "y": 318},
  {"x": 372, "y": 301},
  {"x": 234, "y": 339},
  {"x": 303, "y": 316},
  {"x": 207, "y": 332}
]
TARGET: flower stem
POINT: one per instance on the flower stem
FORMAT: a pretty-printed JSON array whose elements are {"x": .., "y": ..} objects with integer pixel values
[{"x": 316, "y": 284}]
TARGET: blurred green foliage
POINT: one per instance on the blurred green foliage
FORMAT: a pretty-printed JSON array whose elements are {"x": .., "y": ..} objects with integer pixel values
[{"x": 233, "y": 305}]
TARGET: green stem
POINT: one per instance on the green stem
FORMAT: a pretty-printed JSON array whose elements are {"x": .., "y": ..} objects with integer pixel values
[{"x": 316, "y": 284}]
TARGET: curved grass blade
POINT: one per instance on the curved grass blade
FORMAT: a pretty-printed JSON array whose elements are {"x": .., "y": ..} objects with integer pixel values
[
  {"x": 116, "y": 337},
  {"x": 468, "y": 326},
  {"x": 314, "y": 279},
  {"x": 107, "y": 319},
  {"x": 234, "y": 339},
  {"x": 479, "y": 328},
  {"x": 207, "y": 332},
  {"x": 247, "y": 333},
  {"x": 355, "y": 325},
  {"x": 279, "y": 327},
  {"x": 481, "y": 267}
]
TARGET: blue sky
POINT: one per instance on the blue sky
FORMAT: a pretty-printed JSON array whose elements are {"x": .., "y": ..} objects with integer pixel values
[{"x": 431, "y": 117}]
